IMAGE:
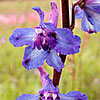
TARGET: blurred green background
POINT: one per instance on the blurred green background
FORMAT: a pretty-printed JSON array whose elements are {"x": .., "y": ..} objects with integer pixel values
[{"x": 81, "y": 72}]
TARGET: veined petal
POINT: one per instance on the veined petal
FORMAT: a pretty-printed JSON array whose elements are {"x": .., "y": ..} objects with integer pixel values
[
  {"x": 67, "y": 43},
  {"x": 29, "y": 97},
  {"x": 93, "y": 18},
  {"x": 73, "y": 95},
  {"x": 90, "y": 2},
  {"x": 78, "y": 12},
  {"x": 54, "y": 60},
  {"x": 41, "y": 14},
  {"x": 87, "y": 26},
  {"x": 22, "y": 36},
  {"x": 33, "y": 58},
  {"x": 49, "y": 27},
  {"x": 94, "y": 6},
  {"x": 64, "y": 33},
  {"x": 54, "y": 13},
  {"x": 65, "y": 48}
]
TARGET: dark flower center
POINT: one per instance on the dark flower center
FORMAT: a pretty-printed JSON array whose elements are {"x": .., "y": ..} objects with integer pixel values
[{"x": 45, "y": 40}]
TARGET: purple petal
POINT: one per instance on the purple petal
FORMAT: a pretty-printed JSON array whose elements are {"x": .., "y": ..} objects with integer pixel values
[
  {"x": 87, "y": 26},
  {"x": 29, "y": 97},
  {"x": 91, "y": 22},
  {"x": 38, "y": 42},
  {"x": 93, "y": 18},
  {"x": 90, "y": 2},
  {"x": 54, "y": 13},
  {"x": 78, "y": 12},
  {"x": 54, "y": 60},
  {"x": 41, "y": 14},
  {"x": 67, "y": 47},
  {"x": 43, "y": 74},
  {"x": 49, "y": 27},
  {"x": 94, "y": 6},
  {"x": 22, "y": 36},
  {"x": 49, "y": 87},
  {"x": 51, "y": 42},
  {"x": 34, "y": 58},
  {"x": 73, "y": 95},
  {"x": 67, "y": 43},
  {"x": 64, "y": 33}
]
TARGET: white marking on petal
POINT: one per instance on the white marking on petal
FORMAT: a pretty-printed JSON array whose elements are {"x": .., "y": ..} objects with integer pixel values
[
  {"x": 38, "y": 30},
  {"x": 46, "y": 94}
]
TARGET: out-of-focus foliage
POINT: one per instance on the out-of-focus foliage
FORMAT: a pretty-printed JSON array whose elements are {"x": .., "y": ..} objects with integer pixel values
[{"x": 16, "y": 80}]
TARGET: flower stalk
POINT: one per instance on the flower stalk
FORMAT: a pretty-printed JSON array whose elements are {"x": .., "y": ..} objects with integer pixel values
[
  {"x": 81, "y": 4},
  {"x": 65, "y": 24}
]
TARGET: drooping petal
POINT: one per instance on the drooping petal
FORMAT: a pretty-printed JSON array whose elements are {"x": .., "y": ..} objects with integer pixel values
[
  {"x": 29, "y": 97},
  {"x": 93, "y": 18},
  {"x": 22, "y": 36},
  {"x": 78, "y": 12},
  {"x": 90, "y": 16},
  {"x": 73, "y": 95},
  {"x": 67, "y": 43},
  {"x": 54, "y": 60},
  {"x": 87, "y": 26},
  {"x": 49, "y": 87},
  {"x": 33, "y": 58},
  {"x": 54, "y": 13},
  {"x": 43, "y": 74},
  {"x": 41, "y": 14}
]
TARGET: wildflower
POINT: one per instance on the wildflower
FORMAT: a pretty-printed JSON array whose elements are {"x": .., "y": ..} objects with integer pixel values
[
  {"x": 50, "y": 92},
  {"x": 45, "y": 42},
  {"x": 89, "y": 12}
]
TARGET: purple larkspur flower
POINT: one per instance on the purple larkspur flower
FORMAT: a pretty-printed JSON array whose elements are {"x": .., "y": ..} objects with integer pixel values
[
  {"x": 89, "y": 12},
  {"x": 50, "y": 92},
  {"x": 45, "y": 41}
]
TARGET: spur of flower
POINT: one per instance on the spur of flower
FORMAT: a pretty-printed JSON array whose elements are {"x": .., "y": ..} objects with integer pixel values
[
  {"x": 89, "y": 12},
  {"x": 45, "y": 42},
  {"x": 50, "y": 92}
]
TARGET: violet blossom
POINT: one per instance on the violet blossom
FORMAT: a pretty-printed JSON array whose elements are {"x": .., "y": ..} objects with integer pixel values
[
  {"x": 45, "y": 42},
  {"x": 89, "y": 12}
]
